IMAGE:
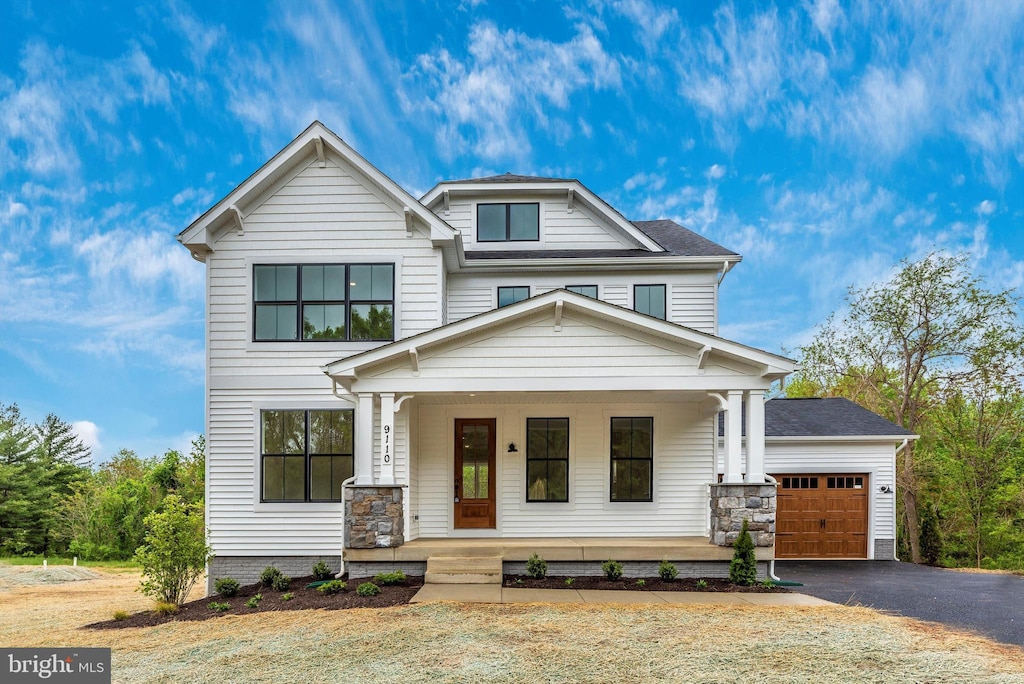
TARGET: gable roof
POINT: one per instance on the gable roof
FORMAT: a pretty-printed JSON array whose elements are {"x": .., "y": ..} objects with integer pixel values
[
  {"x": 823, "y": 417},
  {"x": 772, "y": 366},
  {"x": 509, "y": 177},
  {"x": 312, "y": 143}
]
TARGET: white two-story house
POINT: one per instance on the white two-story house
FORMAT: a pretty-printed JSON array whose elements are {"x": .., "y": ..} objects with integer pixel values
[{"x": 504, "y": 366}]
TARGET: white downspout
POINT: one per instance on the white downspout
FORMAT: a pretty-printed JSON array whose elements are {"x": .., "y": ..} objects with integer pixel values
[
  {"x": 771, "y": 564},
  {"x": 896, "y": 453},
  {"x": 341, "y": 568}
]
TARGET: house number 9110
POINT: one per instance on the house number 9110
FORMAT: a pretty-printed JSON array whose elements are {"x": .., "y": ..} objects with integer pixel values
[{"x": 387, "y": 444}]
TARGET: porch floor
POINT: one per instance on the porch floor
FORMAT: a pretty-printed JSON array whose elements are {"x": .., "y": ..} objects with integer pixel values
[{"x": 557, "y": 549}]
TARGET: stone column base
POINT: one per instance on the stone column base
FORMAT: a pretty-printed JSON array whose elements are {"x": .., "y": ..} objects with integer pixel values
[
  {"x": 374, "y": 517},
  {"x": 732, "y": 503}
]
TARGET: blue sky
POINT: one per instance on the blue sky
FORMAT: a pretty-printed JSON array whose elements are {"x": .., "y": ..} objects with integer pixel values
[{"x": 824, "y": 141}]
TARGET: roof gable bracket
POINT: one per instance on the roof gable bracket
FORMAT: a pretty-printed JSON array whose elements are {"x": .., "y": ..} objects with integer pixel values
[
  {"x": 558, "y": 316},
  {"x": 408, "y": 221},
  {"x": 702, "y": 357},
  {"x": 240, "y": 228},
  {"x": 569, "y": 200},
  {"x": 447, "y": 202},
  {"x": 321, "y": 157},
  {"x": 414, "y": 361}
]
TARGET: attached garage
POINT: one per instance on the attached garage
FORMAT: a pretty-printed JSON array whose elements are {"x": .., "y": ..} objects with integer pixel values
[{"x": 835, "y": 463}]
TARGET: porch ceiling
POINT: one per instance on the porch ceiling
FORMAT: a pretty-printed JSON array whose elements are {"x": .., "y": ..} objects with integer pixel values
[
  {"x": 596, "y": 549},
  {"x": 621, "y": 396}
]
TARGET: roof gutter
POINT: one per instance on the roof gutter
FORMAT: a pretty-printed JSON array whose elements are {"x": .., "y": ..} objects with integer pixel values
[{"x": 560, "y": 263}]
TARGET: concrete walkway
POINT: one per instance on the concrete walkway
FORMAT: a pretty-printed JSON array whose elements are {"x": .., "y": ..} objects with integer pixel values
[{"x": 495, "y": 593}]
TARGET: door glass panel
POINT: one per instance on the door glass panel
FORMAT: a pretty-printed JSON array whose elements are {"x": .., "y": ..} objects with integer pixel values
[{"x": 475, "y": 454}]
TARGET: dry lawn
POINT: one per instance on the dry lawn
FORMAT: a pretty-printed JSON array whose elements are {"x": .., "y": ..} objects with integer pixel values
[{"x": 517, "y": 643}]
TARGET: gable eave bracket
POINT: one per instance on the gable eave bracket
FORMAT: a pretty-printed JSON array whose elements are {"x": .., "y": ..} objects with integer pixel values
[
  {"x": 320, "y": 155},
  {"x": 408, "y": 221},
  {"x": 570, "y": 199},
  {"x": 240, "y": 227},
  {"x": 447, "y": 202},
  {"x": 558, "y": 315},
  {"x": 414, "y": 361},
  {"x": 702, "y": 357}
]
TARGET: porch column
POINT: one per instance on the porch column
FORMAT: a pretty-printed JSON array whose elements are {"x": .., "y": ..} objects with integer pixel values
[
  {"x": 364, "y": 440},
  {"x": 755, "y": 437},
  {"x": 387, "y": 439},
  {"x": 733, "y": 437}
]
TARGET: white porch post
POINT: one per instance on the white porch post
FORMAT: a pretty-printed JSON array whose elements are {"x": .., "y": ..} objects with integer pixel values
[
  {"x": 387, "y": 439},
  {"x": 755, "y": 436},
  {"x": 733, "y": 437},
  {"x": 364, "y": 440}
]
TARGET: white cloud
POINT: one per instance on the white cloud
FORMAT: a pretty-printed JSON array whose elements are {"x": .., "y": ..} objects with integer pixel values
[
  {"x": 715, "y": 172},
  {"x": 89, "y": 433},
  {"x": 652, "y": 22},
  {"x": 985, "y": 208},
  {"x": 892, "y": 110},
  {"x": 651, "y": 182},
  {"x": 826, "y": 15}
]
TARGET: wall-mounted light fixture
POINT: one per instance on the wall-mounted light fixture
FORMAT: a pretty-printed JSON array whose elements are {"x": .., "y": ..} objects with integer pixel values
[
  {"x": 885, "y": 489},
  {"x": 512, "y": 448}
]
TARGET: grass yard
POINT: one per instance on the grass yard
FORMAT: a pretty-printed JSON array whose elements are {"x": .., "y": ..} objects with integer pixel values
[{"x": 507, "y": 643}]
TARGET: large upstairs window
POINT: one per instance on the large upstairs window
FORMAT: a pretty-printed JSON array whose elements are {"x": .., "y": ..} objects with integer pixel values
[
  {"x": 650, "y": 300},
  {"x": 316, "y": 302},
  {"x": 508, "y": 222}
]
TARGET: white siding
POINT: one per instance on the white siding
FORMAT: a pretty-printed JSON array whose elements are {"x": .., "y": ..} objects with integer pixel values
[
  {"x": 682, "y": 469},
  {"x": 559, "y": 229},
  {"x": 690, "y": 294},
  {"x": 321, "y": 215}
]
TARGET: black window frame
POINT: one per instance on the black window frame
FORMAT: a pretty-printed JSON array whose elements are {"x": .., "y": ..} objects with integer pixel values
[
  {"x": 508, "y": 220},
  {"x": 299, "y": 303},
  {"x": 498, "y": 303},
  {"x": 631, "y": 458},
  {"x": 580, "y": 287},
  {"x": 307, "y": 456},
  {"x": 547, "y": 459},
  {"x": 664, "y": 300}
]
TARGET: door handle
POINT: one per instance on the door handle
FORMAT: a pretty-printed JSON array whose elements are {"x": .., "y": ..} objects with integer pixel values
[
  {"x": 456, "y": 490},
  {"x": 822, "y": 523}
]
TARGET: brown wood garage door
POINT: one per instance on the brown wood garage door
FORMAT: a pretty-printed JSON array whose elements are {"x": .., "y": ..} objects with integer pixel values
[{"x": 822, "y": 516}]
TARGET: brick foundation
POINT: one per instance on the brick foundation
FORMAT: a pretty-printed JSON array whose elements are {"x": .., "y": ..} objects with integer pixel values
[
  {"x": 732, "y": 503},
  {"x": 374, "y": 517}
]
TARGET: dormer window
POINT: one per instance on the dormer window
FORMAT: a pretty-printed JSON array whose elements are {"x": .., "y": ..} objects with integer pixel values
[{"x": 508, "y": 222}]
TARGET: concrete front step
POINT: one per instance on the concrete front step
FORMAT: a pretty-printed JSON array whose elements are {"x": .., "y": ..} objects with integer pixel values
[{"x": 463, "y": 570}]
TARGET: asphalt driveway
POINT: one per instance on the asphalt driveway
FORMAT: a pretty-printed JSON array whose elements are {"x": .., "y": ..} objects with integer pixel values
[{"x": 987, "y": 603}]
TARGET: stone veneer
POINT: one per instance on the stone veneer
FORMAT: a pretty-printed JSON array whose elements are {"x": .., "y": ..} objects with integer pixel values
[
  {"x": 732, "y": 503},
  {"x": 373, "y": 517}
]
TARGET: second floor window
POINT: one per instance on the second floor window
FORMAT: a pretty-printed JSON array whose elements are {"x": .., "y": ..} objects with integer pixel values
[
  {"x": 511, "y": 295},
  {"x": 508, "y": 222},
  {"x": 650, "y": 300},
  {"x": 585, "y": 290},
  {"x": 315, "y": 302}
]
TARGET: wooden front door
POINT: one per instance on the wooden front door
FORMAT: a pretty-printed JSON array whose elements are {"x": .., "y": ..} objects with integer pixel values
[
  {"x": 822, "y": 516},
  {"x": 475, "y": 503}
]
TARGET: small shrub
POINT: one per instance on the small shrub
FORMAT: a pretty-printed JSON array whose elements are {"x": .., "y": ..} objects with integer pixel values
[
  {"x": 321, "y": 571},
  {"x": 667, "y": 571},
  {"x": 702, "y": 584},
  {"x": 930, "y": 537},
  {"x": 519, "y": 581},
  {"x": 536, "y": 567},
  {"x": 226, "y": 587},
  {"x": 174, "y": 553},
  {"x": 743, "y": 568},
  {"x": 367, "y": 589},
  {"x": 287, "y": 597},
  {"x": 269, "y": 574},
  {"x": 218, "y": 607},
  {"x": 767, "y": 583},
  {"x": 166, "y": 607},
  {"x": 641, "y": 582},
  {"x": 281, "y": 583},
  {"x": 612, "y": 569},
  {"x": 332, "y": 587},
  {"x": 121, "y": 615},
  {"x": 254, "y": 602},
  {"x": 569, "y": 581},
  {"x": 389, "y": 578}
]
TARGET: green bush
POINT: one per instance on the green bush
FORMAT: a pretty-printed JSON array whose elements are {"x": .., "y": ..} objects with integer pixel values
[
  {"x": 612, "y": 569},
  {"x": 287, "y": 597},
  {"x": 175, "y": 553},
  {"x": 536, "y": 567},
  {"x": 281, "y": 583},
  {"x": 218, "y": 607},
  {"x": 743, "y": 568},
  {"x": 226, "y": 587},
  {"x": 387, "y": 578},
  {"x": 667, "y": 571},
  {"x": 166, "y": 607},
  {"x": 367, "y": 589},
  {"x": 641, "y": 582},
  {"x": 321, "y": 571},
  {"x": 702, "y": 584},
  {"x": 931, "y": 539},
  {"x": 332, "y": 587},
  {"x": 569, "y": 581},
  {"x": 121, "y": 615},
  {"x": 269, "y": 574},
  {"x": 254, "y": 602}
]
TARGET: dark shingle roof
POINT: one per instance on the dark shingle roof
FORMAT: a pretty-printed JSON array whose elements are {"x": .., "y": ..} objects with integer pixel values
[
  {"x": 510, "y": 178},
  {"x": 825, "y": 417}
]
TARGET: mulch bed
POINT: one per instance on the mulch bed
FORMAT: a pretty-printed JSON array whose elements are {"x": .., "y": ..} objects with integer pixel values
[
  {"x": 633, "y": 584},
  {"x": 303, "y": 599}
]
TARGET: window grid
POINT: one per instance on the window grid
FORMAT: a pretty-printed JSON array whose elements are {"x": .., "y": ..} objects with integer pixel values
[
  {"x": 585, "y": 290},
  {"x": 512, "y": 294},
  {"x": 308, "y": 464},
  {"x": 632, "y": 459},
  {"x": 547, "y": 460},
  {"x": 650, "y": 300},
  {"x": 506, "y": 233}
]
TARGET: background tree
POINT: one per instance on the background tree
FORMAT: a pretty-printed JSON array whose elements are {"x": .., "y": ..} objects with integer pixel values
[
  {"x": 24, "y": 493},
  {"x": 905, "y": 344}
]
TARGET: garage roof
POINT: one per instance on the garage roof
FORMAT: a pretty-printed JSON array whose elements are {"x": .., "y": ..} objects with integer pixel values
[{"x": 822, "y": 417}]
